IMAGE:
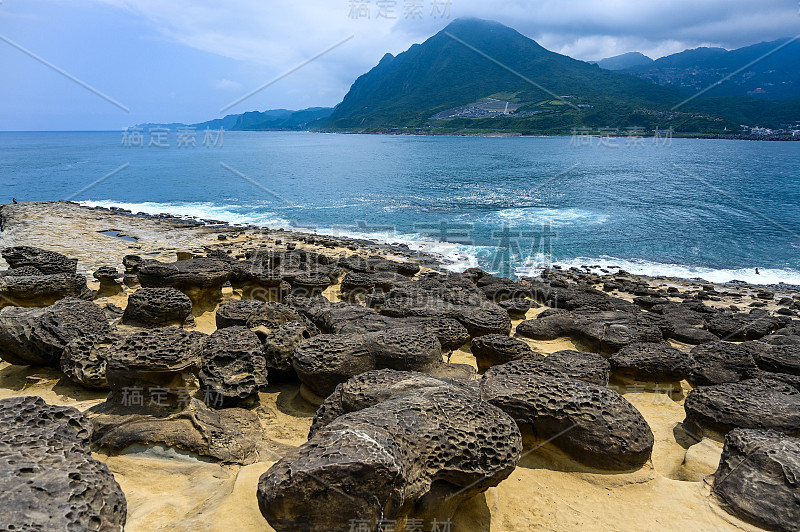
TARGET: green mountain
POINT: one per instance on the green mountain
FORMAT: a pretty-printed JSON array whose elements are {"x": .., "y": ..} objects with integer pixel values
[
  {"x": 623, "y": 61},
  {"x": 274, "y": 119},
  {"x": 773, "y": 72},
  {"x": 480, "y": 76}
]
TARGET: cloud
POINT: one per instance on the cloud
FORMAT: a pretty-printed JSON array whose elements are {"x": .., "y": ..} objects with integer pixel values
[{"x": 226, "y": 85}]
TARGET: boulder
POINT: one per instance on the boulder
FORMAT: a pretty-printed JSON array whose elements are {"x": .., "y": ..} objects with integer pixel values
[
  {"x": 758, "y": 478},
  {"x": 236, "y": 312},
  {"x": 657, "y": 362},
  {"x": 42, "y": 290},
  {"x": 155, "y": 366},
  {"x": 719, "y": 362},
  {"x": 201, "y": 279},
  {"x": 48, "y": 477},
  {"x": 158, "y": 307},
  {"x": 84, "y": 360},
  {"x": 492, "y": 349},
  {"x": 47, "y": 262},
  {"x": 587, "y": 367},
  {"x": 233, "y": 368},
  {"x": 421, "y": 453},
  {"x": 38, "y": 336},
  {"x": 604, "y": 332},
  {"x": 326, "y": 360},
  {"x": 779, "y": 359},
  {"x": 765, "y": 404},
  {"x": 594, "y": 425}
]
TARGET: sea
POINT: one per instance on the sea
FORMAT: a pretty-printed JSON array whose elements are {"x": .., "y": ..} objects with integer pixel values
[{"x": 690, "y": 208}]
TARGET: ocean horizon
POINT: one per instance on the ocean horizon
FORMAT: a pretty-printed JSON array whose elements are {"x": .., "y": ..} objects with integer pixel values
[{"x": 689, "y": 208}]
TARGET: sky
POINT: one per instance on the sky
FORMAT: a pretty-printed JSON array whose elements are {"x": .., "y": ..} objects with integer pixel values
[{"x": 109, "y": 64}]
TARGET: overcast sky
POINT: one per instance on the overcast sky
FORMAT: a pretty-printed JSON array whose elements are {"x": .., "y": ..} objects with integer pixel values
[{"x": 184, "y": 60}]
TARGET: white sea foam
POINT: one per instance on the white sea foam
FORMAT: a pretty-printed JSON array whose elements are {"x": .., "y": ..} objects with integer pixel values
[{"x": 457, "y": 257}]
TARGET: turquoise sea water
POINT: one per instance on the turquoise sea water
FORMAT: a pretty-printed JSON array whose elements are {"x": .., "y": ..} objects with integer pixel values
[{"x": 715, "y": 209}]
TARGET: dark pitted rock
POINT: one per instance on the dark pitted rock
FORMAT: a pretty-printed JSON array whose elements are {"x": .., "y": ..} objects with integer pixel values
[
  {"x": 658, "y": 362},
  {"x": 743, "y": 326},
  {"x": 38, "y": 336},
  {"x": 270, "y": 316},
  {"x": 373, "y": 387},
  {"x": 603, "y": 332},
  {"x": 587, "y": 367},
  {"x": 688, "y": 321},
  {"x": 47, "y": 262},
  {"x": 751, "y": 404},
  {"x": 107, "y": 274},
  {"x": 48, "y": 477},
  {"x": 326, "y": 360},
  {"x": 421, "y": 453},
  {"x": 493, "y": 349},
  {"x": 132, "y": 263},
  {"x": 451, "y": 333},
  {"x": 789, "y": 335},
  {"x": 236, "y": 312},
  {"x": 357, "y": 263},
  {"x": 201, "y": 279},
  {"x": 648, "y": 302},
  {"x": 148, "y": 307},
  {"x": 84, "y": 360},
  {"x": 233, "y": 368},
  {"x": 311, "y": 283},
  {"x": 486, "y": 319},
  {"x": 22, "y": 271},
  {"x": 518, "y": 307},
  {"x": 279, "y": 347},
  {"x": 719, "y": 362},
  {"x": 758, "y": 478},
  {"x": 229, "y": 435},
  {"x": 42, "y": 290},
  {"x": 366, "y": 282},
  {"x": 779, "y": 358},
  {"x": 593, "y": 424},
  {"x": 165, "y": 359}
]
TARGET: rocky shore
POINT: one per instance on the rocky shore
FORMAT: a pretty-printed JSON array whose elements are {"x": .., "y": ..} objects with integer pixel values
[{"x": 169, "y": 374}]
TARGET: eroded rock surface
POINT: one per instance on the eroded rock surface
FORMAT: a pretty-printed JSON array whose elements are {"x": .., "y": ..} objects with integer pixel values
[
  {"x": 758, "y": 478},
  {"x": 233, "y": 368},
  {"x": 38, "y": 336},
  {"x": 420, "y": 453},
  {"x": 157, "y": 307},
  {"x": 48, "y": 477}
]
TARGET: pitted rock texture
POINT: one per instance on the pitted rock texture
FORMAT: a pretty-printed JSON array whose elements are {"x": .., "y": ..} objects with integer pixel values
[
  {"x": 280, "y": 344},
  {"x": 587, "y": 367},
  {"x": 740, "y": 326},
  {"x": 48, "y": 477},
  {"x": 45, "y": 261},
  {"x": 658, "y": 362},
  {"x": 233, "y": 367},
  {"x": 228, "y": 435},
  {"x": 758, "y": 478},
  {"x": 751, "y": 404},
  {"x": 84, "y": 359},
  {"x": 311, "y": 282},
  {"x": 42, "y": 290},
  {"x": 603, "y": 332},
  {"x": 166, "y": 359},
  {"x": 326, "y": 360},
  {"x": 236, "y": 312},
  {"x": 201, "y": 279},
  {"x": 779, "y": 359},
  {"x": 270, "y": 316},
  {"x": 373, "y": 387},
  {"x": 424, "y": 452},
  {"x": 155, "y": 307},
  {"x": 357, "y": 263},
  {"x": 720, "y": 362},
  {"x": 492, "y": 349},
  {"x": 38, "y": 336},
  {"x": 594, "y": 425}
]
